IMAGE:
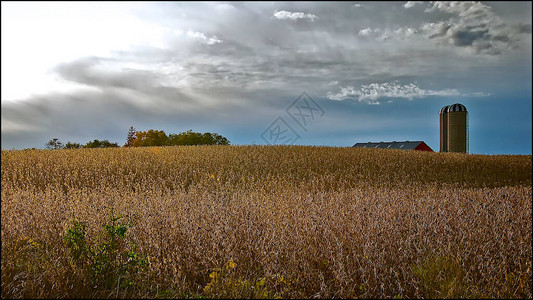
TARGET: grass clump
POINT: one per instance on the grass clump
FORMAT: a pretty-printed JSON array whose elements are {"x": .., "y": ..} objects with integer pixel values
[
  {"x": 109, "y": 262},
  {"x": 225, "y": 283},
  {"x": 441, "y": 277}
]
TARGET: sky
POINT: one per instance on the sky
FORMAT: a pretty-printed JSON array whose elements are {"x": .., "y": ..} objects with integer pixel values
[{"x": 302, "y": 73}]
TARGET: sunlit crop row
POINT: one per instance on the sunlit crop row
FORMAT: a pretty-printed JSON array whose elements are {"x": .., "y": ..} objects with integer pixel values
[{"x": 263, "y": 222}]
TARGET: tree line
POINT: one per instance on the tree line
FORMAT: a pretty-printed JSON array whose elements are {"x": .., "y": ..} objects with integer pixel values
[{"x": 148, "y": 138}]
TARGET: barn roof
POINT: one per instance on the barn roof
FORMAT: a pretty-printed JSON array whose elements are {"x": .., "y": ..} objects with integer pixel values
[{"x": 406, "y": 145}]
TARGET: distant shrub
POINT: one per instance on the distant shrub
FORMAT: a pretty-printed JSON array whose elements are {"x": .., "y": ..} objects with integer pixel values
[
  {"x": 54, "y": 144},
  {"x": 195, "y": 138},
  {"x": 188, "y": 138},
  {"x": 100, "y": 144},
  {"x": 70, "y": 145}
]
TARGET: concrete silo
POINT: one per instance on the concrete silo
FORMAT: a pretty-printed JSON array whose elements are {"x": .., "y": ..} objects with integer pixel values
[
  {"x": 443, "y": 129},
  {"x": 453, "y": 128}
]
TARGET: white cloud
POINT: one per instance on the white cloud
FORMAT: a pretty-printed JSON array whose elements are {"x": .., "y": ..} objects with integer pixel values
[
  {"x": 458, "y": 7},
  {"x": 202, "y": 37},
  {"x": 283, "y": 14},
  {"x": 387, "y": 33},
  {"x": 410, "y": 4},
  {"x": 367, "y": 31},
  {"x": 62, "y": 32},
  {"x": 225, "y": 6},
  {"x": 372, "y": 92},
  {"x": 407, "y": 31},
  {"x": 479, "y": 94}
]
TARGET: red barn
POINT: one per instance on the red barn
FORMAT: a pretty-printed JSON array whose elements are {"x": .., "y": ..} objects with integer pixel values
[{"x": 407, "y": 145}]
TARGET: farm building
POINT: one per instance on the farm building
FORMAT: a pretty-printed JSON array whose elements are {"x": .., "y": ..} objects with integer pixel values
[
  {"x": 453, "y": 120},
  {"x": 407, "y": 145}
]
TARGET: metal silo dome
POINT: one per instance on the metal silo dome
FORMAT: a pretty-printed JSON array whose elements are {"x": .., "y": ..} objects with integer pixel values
[
  {"x": 444, "y": 110},
  {"x": 455, "y": 107}
]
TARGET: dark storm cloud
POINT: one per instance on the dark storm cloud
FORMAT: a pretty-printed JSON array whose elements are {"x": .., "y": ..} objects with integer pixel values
[
  {"x": 137, "y": 88},
  {"x": 467, "y": 37},
  {"x": 440, "y": 31},
  {"x": 106, "y": 114},
  {"x": 474, "y": 25},
  {"x": 522, "y": 28},
  {"x": 89, "y": 71}
]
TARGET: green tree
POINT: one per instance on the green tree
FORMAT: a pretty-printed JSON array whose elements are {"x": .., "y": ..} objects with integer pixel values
[
  {"x": 139, "y": 138},
  {"x": 219, "y": 140},
  {"x": 131, "y": 137},
  {"x": 159, "y": 138},
  {"x": 194, "y": 138},
  {"x": 150, "y": 138},
  {"x": 100, "y": 144},
  {"x": 54, "y": 144},
  {"x": 70, "y": 145},
  {"x": 156, "y": 137}
]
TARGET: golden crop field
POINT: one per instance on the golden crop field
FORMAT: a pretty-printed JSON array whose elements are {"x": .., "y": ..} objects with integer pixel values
[{"x": 265, "y": 222}]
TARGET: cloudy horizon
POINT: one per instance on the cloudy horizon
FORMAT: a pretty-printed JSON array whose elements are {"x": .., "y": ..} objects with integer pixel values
[{"x": 377, "y": 71}]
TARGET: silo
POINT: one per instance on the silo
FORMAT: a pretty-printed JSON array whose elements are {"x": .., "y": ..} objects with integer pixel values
[
  {"x": 457, "y": 119},
  {"x": 443, "y": 129}
]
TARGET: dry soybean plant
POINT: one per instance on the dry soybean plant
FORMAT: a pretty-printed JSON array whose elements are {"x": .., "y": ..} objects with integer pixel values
[{"x": 264, "y": 222}]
